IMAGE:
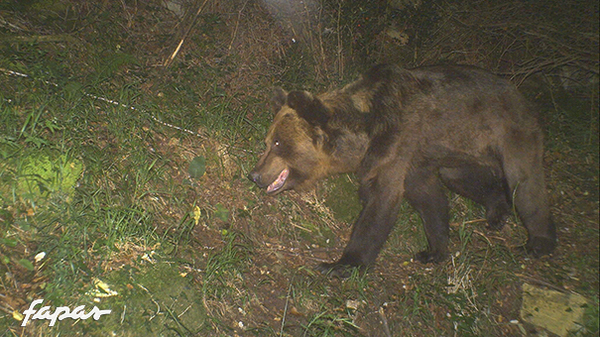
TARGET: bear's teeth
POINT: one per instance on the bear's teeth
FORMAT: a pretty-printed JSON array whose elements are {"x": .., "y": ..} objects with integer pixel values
[{"x": 278, "y": 183}]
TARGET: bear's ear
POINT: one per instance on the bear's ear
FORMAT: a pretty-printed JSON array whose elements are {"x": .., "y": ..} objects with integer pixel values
[
  {"x": 308, "y": 107},
  {"x": 279, "y": 99},
  {"x": 299, "y": 100}
]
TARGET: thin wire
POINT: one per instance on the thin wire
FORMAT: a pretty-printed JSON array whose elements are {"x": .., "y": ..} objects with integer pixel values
[{"x": 110, "y": 101}]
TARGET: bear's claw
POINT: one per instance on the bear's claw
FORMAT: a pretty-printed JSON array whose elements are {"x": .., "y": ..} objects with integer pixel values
[
  {"x": 427, "y": 256},
  {"x": 335, "y": 269},
  {"x": 539, "y": 246}
]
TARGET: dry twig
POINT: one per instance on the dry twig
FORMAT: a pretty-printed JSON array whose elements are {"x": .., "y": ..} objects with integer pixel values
[{"x": 169, "y": 61}]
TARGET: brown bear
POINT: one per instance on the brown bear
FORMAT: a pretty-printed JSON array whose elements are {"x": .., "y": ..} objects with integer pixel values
[{"x": 407, "y": 134}]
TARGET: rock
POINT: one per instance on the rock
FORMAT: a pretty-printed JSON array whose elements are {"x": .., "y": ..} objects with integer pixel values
[{"x": 554, "y": 311}]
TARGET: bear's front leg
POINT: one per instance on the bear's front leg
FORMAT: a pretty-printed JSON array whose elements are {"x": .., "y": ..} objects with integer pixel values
[
  {"x": 381, "y": 201},
  {"x": 425, "y": 193}
]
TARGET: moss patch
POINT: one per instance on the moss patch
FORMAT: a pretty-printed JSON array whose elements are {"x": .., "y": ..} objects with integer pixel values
[{"x": 43, "y": 174}]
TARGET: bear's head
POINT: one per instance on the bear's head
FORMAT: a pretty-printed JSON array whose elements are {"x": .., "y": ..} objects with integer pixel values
[{"x": 294, "y": 157}]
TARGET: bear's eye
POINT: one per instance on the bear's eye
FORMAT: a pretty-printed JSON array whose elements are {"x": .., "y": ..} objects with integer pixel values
[{"x": 276, "y": 143}]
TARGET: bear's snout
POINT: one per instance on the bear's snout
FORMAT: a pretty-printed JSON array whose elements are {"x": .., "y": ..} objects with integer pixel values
[{"x": 254, "y": 177}]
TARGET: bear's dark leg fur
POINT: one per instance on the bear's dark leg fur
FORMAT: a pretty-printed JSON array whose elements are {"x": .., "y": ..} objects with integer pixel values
[
  {"x": 523, "y": 168},
  {"x": 482, "y": 184},
  {"x": 381, "y": 198},
  {"x": 425, "y": 192}
]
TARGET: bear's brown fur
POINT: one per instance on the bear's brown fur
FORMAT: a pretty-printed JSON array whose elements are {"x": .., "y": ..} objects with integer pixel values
[{"x": 407, "y": 133}]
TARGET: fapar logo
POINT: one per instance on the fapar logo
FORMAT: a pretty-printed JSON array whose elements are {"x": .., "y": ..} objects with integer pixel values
[{"x": 61, "y": 313}]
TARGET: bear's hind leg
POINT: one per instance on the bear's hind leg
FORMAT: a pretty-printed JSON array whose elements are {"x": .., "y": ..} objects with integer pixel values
[
  {"x": 482, "y": 184},
  {"x": 425, "y": 193},
  {"x": 525, "y": 176}
]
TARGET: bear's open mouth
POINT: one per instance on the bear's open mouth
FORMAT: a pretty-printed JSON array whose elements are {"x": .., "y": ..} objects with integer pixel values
[{"x": 279, "y": 182}]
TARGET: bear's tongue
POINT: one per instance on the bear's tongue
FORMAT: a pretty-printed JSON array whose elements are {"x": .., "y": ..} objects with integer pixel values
[{"x": 278, "y": 183}]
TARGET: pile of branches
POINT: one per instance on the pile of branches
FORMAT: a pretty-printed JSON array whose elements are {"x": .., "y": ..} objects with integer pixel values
[
  {"x": 520, "y": 38},
  {"x": 331, "y": 39}
]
